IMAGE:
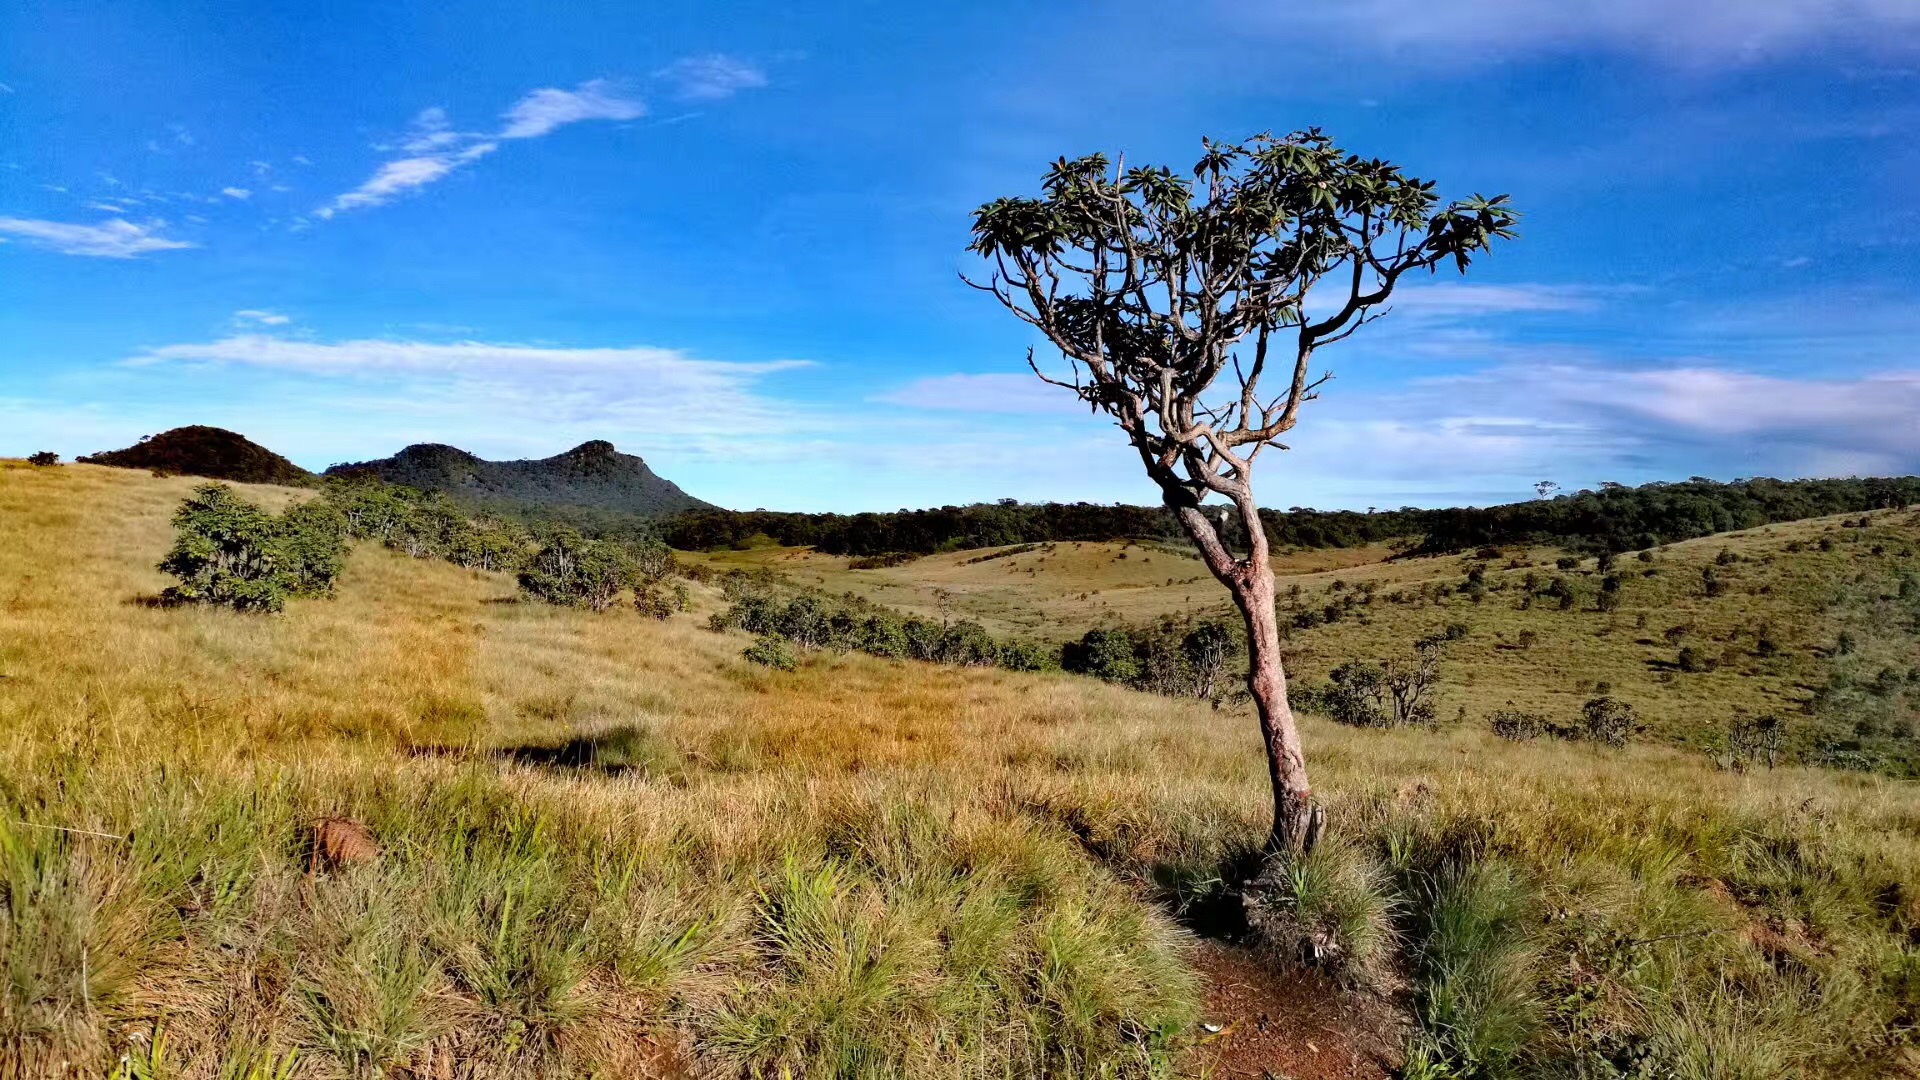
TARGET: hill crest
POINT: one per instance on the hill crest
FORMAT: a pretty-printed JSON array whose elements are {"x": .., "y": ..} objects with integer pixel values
[
  {"x": 201, "y": 450},
  {"x": 591, "y": 476}
]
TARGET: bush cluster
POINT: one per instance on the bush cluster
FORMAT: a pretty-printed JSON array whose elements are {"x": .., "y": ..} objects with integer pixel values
[
  {"x": 231, "y": 552},
  {"x": 1602, "y": 719},
  {"x": 812, "y": 621},
  {"x": 1394, "y": 693},
  {"x": 552, "y": 562},
  {"x": 1171, "y": 657}
]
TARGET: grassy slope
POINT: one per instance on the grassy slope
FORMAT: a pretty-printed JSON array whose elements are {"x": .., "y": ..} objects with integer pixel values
[
  {"x": 862, "y": 868},
  {"x": 1804, "y": 599}
]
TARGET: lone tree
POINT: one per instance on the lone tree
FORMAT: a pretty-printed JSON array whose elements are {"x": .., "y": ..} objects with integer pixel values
[{"x": 1190, "y": 310}]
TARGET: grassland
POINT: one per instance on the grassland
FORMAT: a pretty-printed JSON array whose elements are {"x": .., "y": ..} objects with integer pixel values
[
  {"x": 611, "y": 847},
  {"x": 1765, "y": 643}
]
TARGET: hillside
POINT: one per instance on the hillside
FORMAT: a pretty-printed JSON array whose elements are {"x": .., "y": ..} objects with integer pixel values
[
  {"x": 592, "y": 480},
  {"x": 197, "y": 450},
  {"x": 611, "y": 846},
  {"x": 1767, "y": 641}
]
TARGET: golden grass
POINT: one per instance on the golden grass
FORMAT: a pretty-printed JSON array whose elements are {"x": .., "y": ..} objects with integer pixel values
[
  {"x": 861, "y": 868},
  {"x": 1803, "y": 598}
]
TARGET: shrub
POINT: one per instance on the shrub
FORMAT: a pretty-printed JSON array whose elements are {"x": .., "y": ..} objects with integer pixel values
[
  {"x": 883, "y": 561},
  {"x": 660, "y": 601},
  {"x": 1208, "y": 649},
  {"x": 572, "y": 571},
  {"x": 1356, "y": 696},
  {"x": 1756, "y": 741},
  {"x": 1607, "y": 720},
  {"x": 310, "y": 547},
  {"x": 231, "y": 552},
  {"x": 883, "y": 635},
  {"x": 1566, "y": 562},
  {"x": 805, "y": 622},
  {"x": 1103, "y": 653},
  {"x": 770, "y": 650},
  {"x": 967, "y": 644},
  {"x": 1516, "y": 725},
  {"x": 44, "y": 457},
  {"x": 1024, "y": 656}
]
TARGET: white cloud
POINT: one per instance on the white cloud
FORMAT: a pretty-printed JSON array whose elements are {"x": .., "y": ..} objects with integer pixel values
[
  {"x": 1701, "y": 31},
  {"x": 114, "y": 238},
  {"x": 435, "y": 149},
  {"x": 261, "y": 169},
  {"x": 236, "y": 193},
  {"x": 430, "y": 131},
  {"x": 265, "y": 318},
  {"x": 396, "y": 178},
  {"x": 474, "y": 391},
  {"x": 714, "y": 77},
  {"x": 544, "y": 110}
]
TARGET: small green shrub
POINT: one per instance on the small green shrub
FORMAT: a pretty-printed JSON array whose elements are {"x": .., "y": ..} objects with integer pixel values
[{"x": 771, "y": 650}]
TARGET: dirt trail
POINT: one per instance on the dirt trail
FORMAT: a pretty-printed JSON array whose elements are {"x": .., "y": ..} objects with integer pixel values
[{"x": 1289, "y": 1025}]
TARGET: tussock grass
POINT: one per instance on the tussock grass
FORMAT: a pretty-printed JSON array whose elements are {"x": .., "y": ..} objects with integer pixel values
[{"x": 611, "y": 846}]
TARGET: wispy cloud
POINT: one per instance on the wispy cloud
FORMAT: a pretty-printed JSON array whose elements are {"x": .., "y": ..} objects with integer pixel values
[
  {"x": 713, "y": 77},
  {"x": 238, "y": 193},
  {"x": 264, "y": 318},
  {"x": 1460, "y": 298},
  {"x": 115, "y": 238},
  {"x": 541, "y": 111},
  {"x": 475, "y": 389},
  {"x": 435, "y": 148},
  {"x": 396, "y": 178}
]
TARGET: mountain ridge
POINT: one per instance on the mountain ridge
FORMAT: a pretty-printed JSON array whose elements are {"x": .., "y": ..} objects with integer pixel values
[{"x": 593, "y": 476}]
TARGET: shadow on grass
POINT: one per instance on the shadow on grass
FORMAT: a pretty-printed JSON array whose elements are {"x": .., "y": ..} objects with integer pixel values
[{"x": 627, "y": 748}]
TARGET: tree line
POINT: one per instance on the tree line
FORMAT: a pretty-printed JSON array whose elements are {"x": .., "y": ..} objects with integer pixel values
[{"x": 1613, "y": 518}]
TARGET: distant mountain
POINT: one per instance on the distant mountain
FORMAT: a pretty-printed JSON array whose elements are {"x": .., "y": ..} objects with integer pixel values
[
  {"x": 198, "y": 450},
  {"x": 592, "y": 478}
]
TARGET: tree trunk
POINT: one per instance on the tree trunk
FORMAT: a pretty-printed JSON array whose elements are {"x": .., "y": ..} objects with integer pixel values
[{"x": 1296, "y": 820}]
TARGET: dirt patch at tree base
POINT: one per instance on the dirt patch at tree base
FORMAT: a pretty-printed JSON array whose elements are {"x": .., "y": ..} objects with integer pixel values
[{"x": 1288, "y": 1023}]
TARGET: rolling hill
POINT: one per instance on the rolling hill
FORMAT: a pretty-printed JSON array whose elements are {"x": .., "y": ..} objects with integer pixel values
[
  {"x": 198, "y": 450},
  {"x": 590, "y": 480}
]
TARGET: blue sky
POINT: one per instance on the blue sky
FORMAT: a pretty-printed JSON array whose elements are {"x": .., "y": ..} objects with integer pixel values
[{"x": 726, "y": 236}]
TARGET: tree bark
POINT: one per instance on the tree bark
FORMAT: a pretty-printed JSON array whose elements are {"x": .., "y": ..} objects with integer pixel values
[{"x": 1296, "y": 820}]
